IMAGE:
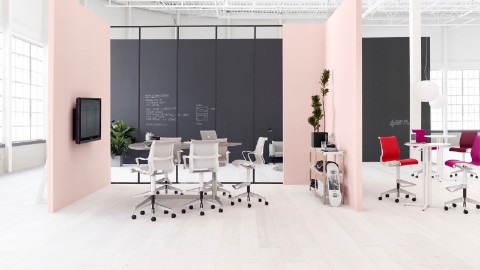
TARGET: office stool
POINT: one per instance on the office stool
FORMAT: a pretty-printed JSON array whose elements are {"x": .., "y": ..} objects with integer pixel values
[
  {"x": 467, "y": 139},
  {"x": 465, "y": 168},
  {"x": 165, "y": 183},
  {"x": 391, "y": 158},
  {"x": 250, "y": 165}
]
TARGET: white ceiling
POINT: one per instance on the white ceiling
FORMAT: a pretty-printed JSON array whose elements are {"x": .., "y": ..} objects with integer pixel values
[{"x": 374, "y": 12}]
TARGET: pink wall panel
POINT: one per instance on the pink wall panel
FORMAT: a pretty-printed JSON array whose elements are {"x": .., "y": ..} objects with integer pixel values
[
  {"x": 79, "y": 66},
  {"x": 303, "y": 62},
  {"x": 344, "y": 59}
]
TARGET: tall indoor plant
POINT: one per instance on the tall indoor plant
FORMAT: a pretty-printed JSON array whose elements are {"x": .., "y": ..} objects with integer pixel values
[
  {"x": 121, "y": 136},
  {"x": 318, "y": 112}
]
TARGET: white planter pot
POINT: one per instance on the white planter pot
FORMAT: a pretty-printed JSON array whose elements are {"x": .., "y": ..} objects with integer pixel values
[{"x": 117, "y": 161}]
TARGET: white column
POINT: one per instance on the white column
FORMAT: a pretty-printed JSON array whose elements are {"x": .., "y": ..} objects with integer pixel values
[
  {"x": 7, "y": 130},
  {"x": 445, "y": 77},
  {"x": 415, "y": 29}
]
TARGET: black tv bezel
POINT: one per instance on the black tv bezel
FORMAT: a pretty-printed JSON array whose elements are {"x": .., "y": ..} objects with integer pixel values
[{"x": 77, "y": 122}]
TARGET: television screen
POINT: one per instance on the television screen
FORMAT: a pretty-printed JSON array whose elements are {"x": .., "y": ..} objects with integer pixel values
[{"x": 88, "y": 120}]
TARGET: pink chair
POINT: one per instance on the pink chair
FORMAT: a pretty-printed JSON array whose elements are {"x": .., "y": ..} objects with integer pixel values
[
  {"x": 420, "y": 138},
  {"x": 466, "y": 141},
  {"x": 465, "y": 167},
  {"x": 391, "y": 158}
]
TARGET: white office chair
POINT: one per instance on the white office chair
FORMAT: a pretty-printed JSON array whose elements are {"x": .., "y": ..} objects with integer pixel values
[
  {"x": 250, "y": 164},
  {"x": 160, "y": 161},
  {"x": 165, "y": 182},
  {"x": 275, "y": 150},
  {"x": 203, "y": 158}
]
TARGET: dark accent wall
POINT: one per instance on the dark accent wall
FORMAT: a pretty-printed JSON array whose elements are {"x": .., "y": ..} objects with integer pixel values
[
  {"x": 386, "y": 93},
  {"x": 179, "y": 87}
]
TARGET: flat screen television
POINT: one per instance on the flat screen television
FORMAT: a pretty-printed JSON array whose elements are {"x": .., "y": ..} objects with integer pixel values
[{"x": 87, "y": 120}]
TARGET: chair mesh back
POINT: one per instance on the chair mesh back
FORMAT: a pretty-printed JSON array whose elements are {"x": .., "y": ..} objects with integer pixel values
[
  {"x": 164, "y": 151},
  {"x": 259, "y": 150},
  {"x": 467, "y": 138},
  {"x": 475, "y": 153},
  {"x": 222, "y": 151},
  {"x": 203, "y": 155},
  {"x": 390, "y": 149},
  {"x": 420, "y": 135},
  {"x": 176, "y": 147}
]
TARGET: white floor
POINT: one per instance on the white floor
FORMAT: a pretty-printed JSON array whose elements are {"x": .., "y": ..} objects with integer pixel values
[{"x": 294, "y": 232}]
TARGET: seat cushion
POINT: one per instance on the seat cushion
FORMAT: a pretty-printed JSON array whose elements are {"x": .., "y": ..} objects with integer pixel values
[
  {"x": 451, "y": 162},
  {"x": 459, "y": 149},
  {"x": 408, "y": 161}
]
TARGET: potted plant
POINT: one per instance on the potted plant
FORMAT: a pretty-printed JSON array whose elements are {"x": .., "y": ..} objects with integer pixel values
[
  {"x": 121, "y": 136},
  {"x": 318, "y": 112}
]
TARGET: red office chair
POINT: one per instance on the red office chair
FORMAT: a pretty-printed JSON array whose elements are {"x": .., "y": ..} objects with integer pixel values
[
  {"x": 466, "y": 141},
  {"x": 465, "y": 167},
  {"x": 420, "y": 138},
  {"x": 391, "y": 158}
]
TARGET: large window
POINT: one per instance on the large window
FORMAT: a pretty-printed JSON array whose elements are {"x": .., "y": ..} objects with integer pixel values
[
  {"x": 27, "y": 91},
  {"x": 463, "y": 90}
]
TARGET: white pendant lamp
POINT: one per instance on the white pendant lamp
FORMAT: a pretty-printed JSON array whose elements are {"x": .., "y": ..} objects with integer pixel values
[
  {"x": 426, "y": 91},
  {"x": 440, "y": 102}
]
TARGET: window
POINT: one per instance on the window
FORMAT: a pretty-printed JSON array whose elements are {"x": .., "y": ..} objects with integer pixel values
[
  {"x": 27, "y": 91},
  {"x": 436, "y": 116},
  {"x": 463, "y": 90}
]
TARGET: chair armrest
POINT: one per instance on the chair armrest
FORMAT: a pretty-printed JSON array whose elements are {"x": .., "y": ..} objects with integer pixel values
[
  {"x": 138, "y": 159},
  {"x": 245, "y": 157},
  {"x": 179, "y": 156},
  {"x": 185, "y": 161}
]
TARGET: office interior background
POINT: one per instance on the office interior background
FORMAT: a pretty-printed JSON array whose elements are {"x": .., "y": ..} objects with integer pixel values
[{"x": 54, "y": 51}]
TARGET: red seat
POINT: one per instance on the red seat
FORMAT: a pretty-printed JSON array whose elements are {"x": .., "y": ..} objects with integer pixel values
[
  {"x": 408, "y": 161},
  {"x": 459, "y": 149}
]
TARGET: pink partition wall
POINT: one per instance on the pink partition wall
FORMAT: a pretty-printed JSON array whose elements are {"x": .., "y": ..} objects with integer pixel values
[
  {"x": 303, "y": 62},
  {"x": 344, "y": 104},
  {"x": 78, "y": 66},
  {"x": 308, "y": 49}
]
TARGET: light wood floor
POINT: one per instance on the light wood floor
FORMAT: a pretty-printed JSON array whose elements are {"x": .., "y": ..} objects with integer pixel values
[{"x": 294, "y": 232}]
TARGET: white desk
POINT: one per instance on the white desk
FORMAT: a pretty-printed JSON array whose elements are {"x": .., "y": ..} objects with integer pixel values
[
  {"x": 427, "y": 179},
  {"x": 440, "y": 138}
]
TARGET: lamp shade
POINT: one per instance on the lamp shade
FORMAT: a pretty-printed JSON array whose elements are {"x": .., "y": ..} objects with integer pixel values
[
  {"x": 440, "y": 102},
  {"x": 426, "y": 91}
]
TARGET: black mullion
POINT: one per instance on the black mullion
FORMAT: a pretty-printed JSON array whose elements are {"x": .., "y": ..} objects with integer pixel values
[
  {"x": 254, "y": 62},
  {"x": 139, "y": 82}
]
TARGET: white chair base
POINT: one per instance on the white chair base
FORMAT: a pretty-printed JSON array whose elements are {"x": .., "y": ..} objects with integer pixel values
[
  {"x": 248, "y": 194},
  {"x": 464, "y": 199},
  {"x": 398, "y": 190},
  {"x": 151, "y": 200}
]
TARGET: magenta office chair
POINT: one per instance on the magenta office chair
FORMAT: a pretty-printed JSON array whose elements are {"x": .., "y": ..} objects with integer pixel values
[
  {"x": 465, "y": 167},
  {"x": 466, "y": 141},
  {"x": 420, "y": 138}
]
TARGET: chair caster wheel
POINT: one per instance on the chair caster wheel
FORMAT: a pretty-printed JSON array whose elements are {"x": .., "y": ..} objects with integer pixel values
[
  {"x": 266, "y": 203},
  {"x": 205, "y": 193},
  {"x": 190, "y": 207},
  {"x": 471, "y": 175},
  {"x": 212, "y": 206},
  {"x": 259, "y": 200},
  {"x": 184, "y": 211},
  {"x": 454, "y": 205},
  {"x": 202, "y": 213},
  {"x": 414, "y": 199},
  {"x": 433, "y": 176},
  {"x": 142, "y": 212},
  {"x": 412, "y": 175},
  {"x": 465, "y": 211},
  {"x": 153, "y": 219},
  {"x": 451, "y": 176},
  {"x": 387, "y": 195},
  {"x": 397, "y": 200},
  {"x": 455, "y": 174},
  {"x": 406, "y": 196},
  {"x": 445, "y": 208},
  {"x": 249, "y": 205},
  {"x": 380, "y": 198},
  {"x": 224, "y": 193},
  {"x": 134, "y": 217},
  {"x": 220, "y": 210},
  {"x": 239, "y": 200},
  {"x": 416, "y": 176},
  {"x": 229, "y": 195},
  {"x": 478, "y": 206},
  {"x": 158, "y": 192},
  {"x": 165, "y": 212},
  {"x": 174, "y": 216},
  {"x": 232, "y": 203},
  {"x": 181, "y": 193},
  {"x": 176, "y": 192}
]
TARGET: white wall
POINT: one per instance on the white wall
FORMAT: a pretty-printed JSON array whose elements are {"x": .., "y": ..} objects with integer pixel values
[{"x": 28, "y": 156}]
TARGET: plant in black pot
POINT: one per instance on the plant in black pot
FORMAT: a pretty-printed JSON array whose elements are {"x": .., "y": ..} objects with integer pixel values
[
  {"x": 319, "y": 111},
  {"x": 121, "y": 136}
]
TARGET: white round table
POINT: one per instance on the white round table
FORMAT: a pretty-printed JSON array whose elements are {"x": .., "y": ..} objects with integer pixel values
[{"x": 440, "y": 138}]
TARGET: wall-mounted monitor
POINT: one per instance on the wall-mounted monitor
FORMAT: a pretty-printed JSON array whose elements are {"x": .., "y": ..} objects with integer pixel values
[{"x": 87, "y": 120}]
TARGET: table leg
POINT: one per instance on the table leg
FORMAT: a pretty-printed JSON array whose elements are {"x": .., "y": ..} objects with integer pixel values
[{"x": 426, "y": 178}]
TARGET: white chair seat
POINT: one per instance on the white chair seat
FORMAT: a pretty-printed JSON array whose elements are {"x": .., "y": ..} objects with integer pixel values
[{"x": 241, "y": 162}]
